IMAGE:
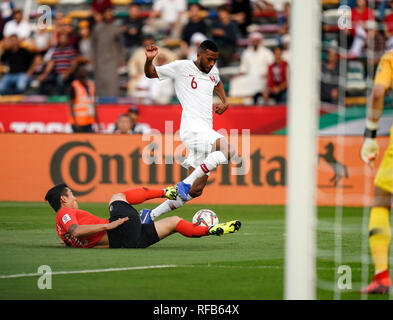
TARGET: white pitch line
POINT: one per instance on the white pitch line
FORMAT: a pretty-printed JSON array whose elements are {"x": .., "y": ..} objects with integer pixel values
[{"x": 22, "y": 275}]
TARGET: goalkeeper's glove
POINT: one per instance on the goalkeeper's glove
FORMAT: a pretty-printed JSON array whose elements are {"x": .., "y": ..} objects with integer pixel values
[
  {"x": 171, "y": 193},
  {"x": 370, "y": 149}
]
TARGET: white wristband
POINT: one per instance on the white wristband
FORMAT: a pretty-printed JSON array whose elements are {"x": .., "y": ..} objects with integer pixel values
[{"x": 372, "y": 125}]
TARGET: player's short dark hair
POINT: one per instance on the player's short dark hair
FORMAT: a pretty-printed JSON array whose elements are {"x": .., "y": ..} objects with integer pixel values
[
  {"x": 54, "y": 194},
  {"x": 208, "y": 45}
]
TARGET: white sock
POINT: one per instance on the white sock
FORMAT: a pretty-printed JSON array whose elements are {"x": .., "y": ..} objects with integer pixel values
[
  {"x": 168, "y": 206},
  {"x": 378, "y": 271},
  {"x": 212, "y": 161}
]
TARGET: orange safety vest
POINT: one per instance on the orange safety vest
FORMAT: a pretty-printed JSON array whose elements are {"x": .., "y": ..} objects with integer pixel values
[{"x": 83, "y": 104}]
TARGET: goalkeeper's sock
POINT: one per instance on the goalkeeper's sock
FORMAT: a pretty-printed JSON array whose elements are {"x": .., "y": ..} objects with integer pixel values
[
  {"x": 139, "y": 195},
  {"x": 168, "y": 206},
  {"x": 212, "y": 161},
  {"x": 191, "y": 230},
  {"x": 379, "y": 237}
]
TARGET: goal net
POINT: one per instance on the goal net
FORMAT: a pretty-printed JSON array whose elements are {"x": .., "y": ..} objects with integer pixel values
[{"x": 330, "y": 190}]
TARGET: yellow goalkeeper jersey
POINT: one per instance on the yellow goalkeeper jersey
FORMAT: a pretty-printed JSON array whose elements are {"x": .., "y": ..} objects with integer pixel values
[{"x": 384, "y": 77}]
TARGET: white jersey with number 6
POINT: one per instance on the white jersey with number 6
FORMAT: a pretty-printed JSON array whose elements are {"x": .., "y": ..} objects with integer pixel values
[{"x": 194, "y": 90}]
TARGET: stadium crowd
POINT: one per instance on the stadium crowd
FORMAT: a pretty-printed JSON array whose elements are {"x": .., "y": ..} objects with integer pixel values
[{"x": 41, "y": 56}]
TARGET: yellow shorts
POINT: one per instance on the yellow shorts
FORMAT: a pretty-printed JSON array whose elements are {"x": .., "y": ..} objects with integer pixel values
[{"x": 384, "y": 177}]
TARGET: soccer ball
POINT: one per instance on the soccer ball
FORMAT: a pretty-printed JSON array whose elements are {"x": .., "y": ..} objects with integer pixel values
[{"x": 205, "y": 217}]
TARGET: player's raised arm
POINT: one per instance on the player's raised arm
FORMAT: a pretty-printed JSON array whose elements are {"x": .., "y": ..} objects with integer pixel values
[
  {"x": 219, "y": 90},
  {"x": 150, "y": 70}
]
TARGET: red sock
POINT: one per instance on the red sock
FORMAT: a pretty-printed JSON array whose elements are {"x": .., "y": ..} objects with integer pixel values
[
  {"x": 191, "y": 230},
  {"x": 139, "y": 195}
]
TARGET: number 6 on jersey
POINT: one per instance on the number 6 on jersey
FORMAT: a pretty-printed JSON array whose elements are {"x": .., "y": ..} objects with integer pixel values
[{"x": 194, "y": 84}]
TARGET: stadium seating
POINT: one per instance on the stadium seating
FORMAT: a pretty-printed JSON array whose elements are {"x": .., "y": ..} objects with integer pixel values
[
  {"x": 48, "y": 2},
  {"x": 264, "y": 21},
  {"x": 356, "y": 82}
]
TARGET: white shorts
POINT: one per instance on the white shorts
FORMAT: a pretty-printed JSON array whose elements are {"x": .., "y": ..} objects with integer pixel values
[{"x": 199, "y": 145}]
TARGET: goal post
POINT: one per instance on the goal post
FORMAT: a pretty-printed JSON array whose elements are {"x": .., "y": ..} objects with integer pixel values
[{"x": 303, "y": 103}]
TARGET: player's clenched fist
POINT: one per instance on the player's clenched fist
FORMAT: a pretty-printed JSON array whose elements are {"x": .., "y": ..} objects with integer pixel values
[
  {"x": 370, "y": 151},
  {"x": 151, "y": 52},
  {"x": 221, "y": 108}
]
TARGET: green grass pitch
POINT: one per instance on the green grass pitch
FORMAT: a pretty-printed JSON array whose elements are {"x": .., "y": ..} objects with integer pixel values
[{"x": 246, "y": 265}]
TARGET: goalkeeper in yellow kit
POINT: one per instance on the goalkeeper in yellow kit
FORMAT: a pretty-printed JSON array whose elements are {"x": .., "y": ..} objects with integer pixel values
[{"x": 379, "y": 225}]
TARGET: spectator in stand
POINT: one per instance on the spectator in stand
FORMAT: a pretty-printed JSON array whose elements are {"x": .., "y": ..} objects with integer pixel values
[
  {"x": 155, "y": 91},
  {"x": 136, "y": 64},
  {"x": 17, "y": 26},
  {"x": 195, "y": 24},
  {"x": 388, "y": 28},
  {"x": 6, "y": 8},
  {"x": 283, "y": 20},
  {"x": 57, "y": 26},
  {"x": 277, "y": 79},
  {"x": 361, "y": 14},
  {"x": 128, "y": 123},
  {"x": 1, "y": 28},
  {"x": 271, "y": 5},
  {"x": 39, "y": 66},
  {"x": 375, "y": 45},
  {"x": 42, "y": 46},
  {"x": 254, "y": 65},
  {"x": 286, "y": 54},
  {"x": 59, "y": 70},
  {"x": 20, "y": 62},
  {"x": 42, "y": 39},
  {"x": 98, "y": 7},
  {"x": 108, "y": 56},
  {"x": 69, "y": 30},
  {"x": 123, "y": 124},
  {"x": 84, "y": 45},
  {"x": 329, "y": 76},
  {"x": 83, "y": 113},
  {"x": 196, "y": 40},
  {"x": 167, "y": 16},
  {"x": 358, "y": 33},
  {"x": 241, "y": 12},
  {"x": 64, "y": 25},
  {"x": 225, "y": 33},
  {"x": 132, "y": 30},
  {"x": 137, "y": 127}
]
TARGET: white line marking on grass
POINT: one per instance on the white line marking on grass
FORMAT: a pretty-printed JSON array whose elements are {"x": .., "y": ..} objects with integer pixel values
[
  {"x": 22, "y": 275},
  {"x": 247, "y": 267}
]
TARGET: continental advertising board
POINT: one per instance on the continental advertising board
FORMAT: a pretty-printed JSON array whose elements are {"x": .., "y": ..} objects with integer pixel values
[{"x": 97, "y": 165}]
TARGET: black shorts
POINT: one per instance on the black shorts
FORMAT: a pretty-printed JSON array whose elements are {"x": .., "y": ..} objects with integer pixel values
[{"x": 132, "y": 233}]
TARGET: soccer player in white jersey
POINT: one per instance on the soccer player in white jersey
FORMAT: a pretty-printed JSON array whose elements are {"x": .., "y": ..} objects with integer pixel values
[{"x": 195, "y": 82}]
